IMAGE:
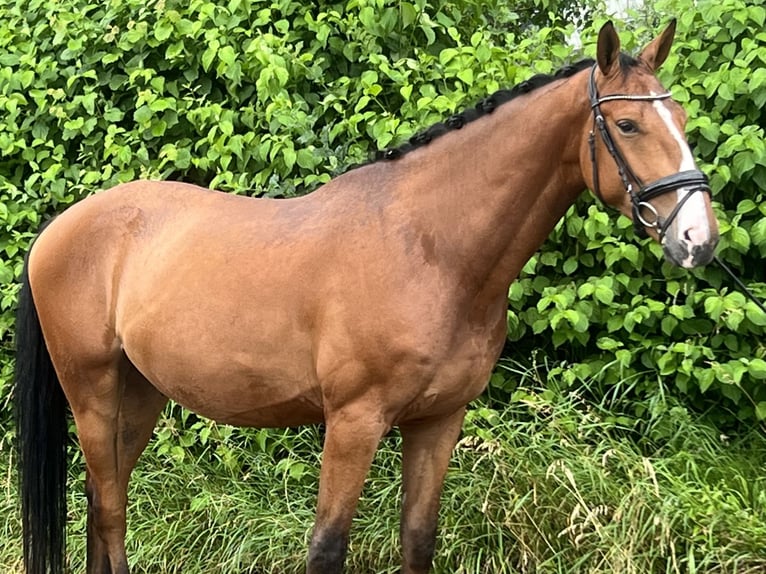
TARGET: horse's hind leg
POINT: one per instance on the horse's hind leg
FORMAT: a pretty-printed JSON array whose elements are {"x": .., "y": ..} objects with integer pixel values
[{"x": 115, "y": 409}]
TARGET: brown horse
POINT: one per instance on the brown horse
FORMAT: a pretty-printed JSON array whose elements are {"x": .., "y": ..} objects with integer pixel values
[{"x": 377, "y": 301}]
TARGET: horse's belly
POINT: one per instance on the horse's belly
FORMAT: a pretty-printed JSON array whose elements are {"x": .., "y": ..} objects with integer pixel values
[
  {"x": 239, "y": 388},
  {"x": 222, "y": 357},
  {"x": 236, "y": 409},
  {"x": 243, "y": 400}
]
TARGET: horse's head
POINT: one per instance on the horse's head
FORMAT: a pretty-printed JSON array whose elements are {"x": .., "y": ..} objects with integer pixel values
[{"x": 636, "y": 157}]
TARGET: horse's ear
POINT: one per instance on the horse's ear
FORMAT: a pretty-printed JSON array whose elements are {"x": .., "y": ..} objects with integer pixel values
[
  {"x": 658, "y": 49},
  {"x": 608, "y": 50}
]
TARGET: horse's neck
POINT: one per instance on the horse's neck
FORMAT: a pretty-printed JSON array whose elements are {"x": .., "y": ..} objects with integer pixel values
[{"x": 487, "y": 196}]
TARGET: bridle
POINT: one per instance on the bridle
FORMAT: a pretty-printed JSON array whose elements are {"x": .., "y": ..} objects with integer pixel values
[{"x": 693, "y": 180}]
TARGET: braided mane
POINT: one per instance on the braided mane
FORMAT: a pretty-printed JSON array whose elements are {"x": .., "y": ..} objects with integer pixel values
[{"x": 484, "y": 107}]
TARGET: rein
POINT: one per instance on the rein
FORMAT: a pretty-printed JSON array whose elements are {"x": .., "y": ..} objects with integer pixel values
[
  {"x": 694, "y": 180},
  {"x": 740, "y": 284}
]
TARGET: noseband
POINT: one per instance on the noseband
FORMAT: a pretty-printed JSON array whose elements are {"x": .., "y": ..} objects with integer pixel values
[{"x": 694, "y": 180}]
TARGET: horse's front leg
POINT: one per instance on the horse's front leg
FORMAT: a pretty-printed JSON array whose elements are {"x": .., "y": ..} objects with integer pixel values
[
  {"x": 351, "y": 439},
  {"x": 427, "y": 448}
]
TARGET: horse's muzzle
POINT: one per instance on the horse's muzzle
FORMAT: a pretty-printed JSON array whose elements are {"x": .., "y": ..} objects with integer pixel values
[{"x": 683, "y": 253}]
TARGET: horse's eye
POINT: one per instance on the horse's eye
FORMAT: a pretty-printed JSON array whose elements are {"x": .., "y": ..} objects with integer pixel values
[{"x": 627, "y": 127}]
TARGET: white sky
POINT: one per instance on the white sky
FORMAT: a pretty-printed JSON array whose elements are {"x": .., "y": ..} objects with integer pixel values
[
  {"x": 620, "y": 7},
  {"x": 616, "y": 8}
]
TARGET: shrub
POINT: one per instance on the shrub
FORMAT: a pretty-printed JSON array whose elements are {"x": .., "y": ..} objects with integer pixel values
[{"x": 273, "y": 98}]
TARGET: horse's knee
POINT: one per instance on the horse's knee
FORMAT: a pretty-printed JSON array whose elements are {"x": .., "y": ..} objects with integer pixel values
[{"x": 327, "y": 552}]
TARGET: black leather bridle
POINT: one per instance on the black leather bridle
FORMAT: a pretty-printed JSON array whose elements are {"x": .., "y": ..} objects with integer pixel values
[{"x": 693, "y": 180}]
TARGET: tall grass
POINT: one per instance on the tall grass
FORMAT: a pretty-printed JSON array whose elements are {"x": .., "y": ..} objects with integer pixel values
[{"x": 548, "y": 482}]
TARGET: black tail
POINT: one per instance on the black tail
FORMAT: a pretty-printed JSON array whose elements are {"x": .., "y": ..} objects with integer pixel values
[{"x": 41, "y": 429}]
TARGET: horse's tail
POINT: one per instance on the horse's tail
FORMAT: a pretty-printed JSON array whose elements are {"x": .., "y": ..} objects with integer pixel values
[{"x": 41, "y": 429}]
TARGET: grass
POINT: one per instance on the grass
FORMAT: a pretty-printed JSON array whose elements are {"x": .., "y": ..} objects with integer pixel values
[{"x": 547, "y": 483}]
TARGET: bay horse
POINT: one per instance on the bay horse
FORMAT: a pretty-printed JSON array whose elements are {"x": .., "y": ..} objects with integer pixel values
[{"x": 379, "y": 300}]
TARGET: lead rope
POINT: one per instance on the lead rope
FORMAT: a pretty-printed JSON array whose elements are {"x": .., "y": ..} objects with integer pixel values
[{"x": 740, "y": 284}]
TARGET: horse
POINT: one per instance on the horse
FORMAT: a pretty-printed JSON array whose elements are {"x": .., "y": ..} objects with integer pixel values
[{"x": 377, "y": 301}]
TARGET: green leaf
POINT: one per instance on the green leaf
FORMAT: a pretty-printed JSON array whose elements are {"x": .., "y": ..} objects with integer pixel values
[
  {"x": 466, "y": 75},
  {"x": 714, "y": 307},
  {"x": 6, "y": 273},
  {"x": 570, "y": 266},
  {"x": 174, "y": 50},
  {"x": 368, "y": 18},
  {"x": 746, "y": 206},
  {"x": 668, "y": 324},
  {"x": 757, "y": 14},
  {"x": 162, "y": 104},
  {"x": 604, "y": 294},
  {"x": 306, "y": 158},
  {"x": 289, "y": 156},
  {"x": 227, "y": 55},
  {"x": 75, "y": 124},
  {"x": 743, "y": 162},
  {"x": 408, "y": 14},
  {"x": 162, "y": 30},
  {"x": 755, "y": 314},
  {"x": 740, "y": 239},
  {"x": 757, "y": 368},
  {"x": 143, "y": 114},
  {"x": 623, "y": 356},
  {"x": 113, "y": 115},
  {"x": 361, "y": 104},
  {"x": 226, "y": 127},
  {"x": 705, "y": 378},
  {"x": 608, "y": 344},
  {"x": 209, "y": 54},
  {"x": 725, "y": 92}
]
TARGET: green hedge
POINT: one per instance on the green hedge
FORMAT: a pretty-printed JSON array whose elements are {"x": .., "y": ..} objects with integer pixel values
[{"x": 273, "y": 98}]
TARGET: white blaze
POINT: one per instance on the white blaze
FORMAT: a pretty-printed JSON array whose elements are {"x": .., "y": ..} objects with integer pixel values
[{"x": 693, "y": 214}]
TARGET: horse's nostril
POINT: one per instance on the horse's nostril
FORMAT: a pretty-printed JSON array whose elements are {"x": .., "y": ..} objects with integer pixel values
[{"x": 696, "y": 235}]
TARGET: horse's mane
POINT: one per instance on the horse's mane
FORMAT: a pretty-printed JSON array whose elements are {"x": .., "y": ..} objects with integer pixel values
[{"x": 482, "y": 108}]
